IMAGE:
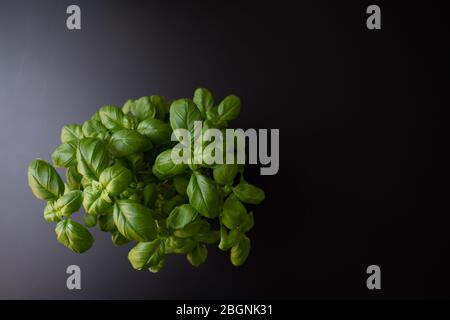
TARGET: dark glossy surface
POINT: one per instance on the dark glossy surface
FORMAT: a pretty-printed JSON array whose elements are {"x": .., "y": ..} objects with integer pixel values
[{"x": 363, "y": 178}]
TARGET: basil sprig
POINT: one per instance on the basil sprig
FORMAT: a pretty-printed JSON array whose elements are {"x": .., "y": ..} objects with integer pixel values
[{"x": 119, "y": 169}]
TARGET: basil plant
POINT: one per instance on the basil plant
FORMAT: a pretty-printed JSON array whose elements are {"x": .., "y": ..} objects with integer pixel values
[{"x": 118, "y": 167}]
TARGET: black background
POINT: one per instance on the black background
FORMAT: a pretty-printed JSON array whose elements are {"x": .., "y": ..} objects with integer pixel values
[{"x": 363, "y": 167}]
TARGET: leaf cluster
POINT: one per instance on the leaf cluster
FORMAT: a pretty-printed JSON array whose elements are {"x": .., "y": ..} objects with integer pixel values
[{"x": 119, "y": 170}]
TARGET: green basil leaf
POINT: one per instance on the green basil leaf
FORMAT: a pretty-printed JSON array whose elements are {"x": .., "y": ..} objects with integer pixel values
[
  {"x": 209, "y": 237},
  {"x": 44, "y": 181},
  {"x": 229, "y": 239},
  {"x": 158, "y": 267},
  {"x": 71, "y": 132},
  {"x": 133, "y": 123},
  {"x": 208, "y": 124},
  {"x": 170, "y": 204},
  {"x": 136, "y": 161},
  {"x": 193, "y": 229},
  {"x": 183, "y": 114},
  {"x": 227, "y": 189},
  {"x": 118, "y": 239},
  {"x": 134, "y": 221},
  {"x": 51, "y": 213},
  {"x": 125, "y": 142},
  {"x": 106, "y": 221},
  {"x": 180, "y": 245},
  {"x": 198, "y": 256},
  {"x": 95, "y": 129},
  {"x": 164, "y": 168},
  {"x": 136, "y": 197},
  {"x": 240, "y": 251},
  {"x": 229, "y": 108},
  {"x": 113, "y": 118},
  {"x": 90, "y": 220},
  {"x": 147, "y": 254},
  {"x": 92, "y": 158},
  {"x": 163, "y": 231},
  {"x": 127, "y": 193},
  {"x": 247, "y": 223},
  {"x": 212, "y": 117},
  {"x": 149, "y": 194},
  {"x": 181, "y": 216},
  {"x": 143, "y": 108},
  {"x": 180, "y": 183},
  {"x": 158, "y": 131},
  {"x": 95, "y": 201},
  {"x": 123, "y": 162},
  {"x": 204, "y": 100},
  {"x": 73, "y": 178},
  {"x": 96, "y": 116},
  {"x": 86, "y": 182},
  {"x": 127, "y": 106},
  {"x": 224, "y": 174},
  {"x": 162, "y": 108},
  {"x": 64, "y": 155},
  {"x": 203, "y": 195},
  {"x": 74, "y": 236},
  {"x": 234, "y": 212},
  {"x": 69, "y": 202},
  {"x": 249, "y": 193},
  {"x": 115, "y": 179}
]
